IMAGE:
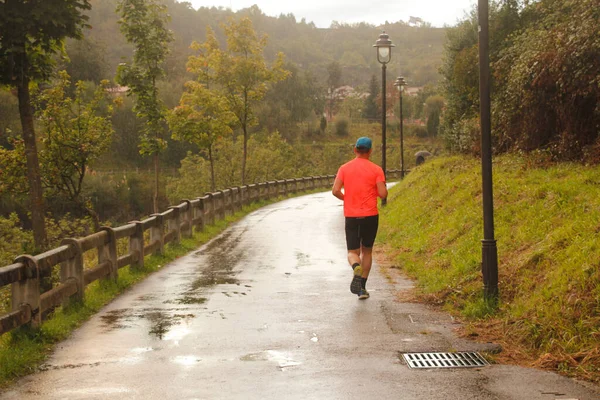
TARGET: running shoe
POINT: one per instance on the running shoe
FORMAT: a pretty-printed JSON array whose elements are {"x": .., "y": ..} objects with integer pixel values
[
  {"x": 363, "y": 294},
  {"x": 356, "y": 284}
]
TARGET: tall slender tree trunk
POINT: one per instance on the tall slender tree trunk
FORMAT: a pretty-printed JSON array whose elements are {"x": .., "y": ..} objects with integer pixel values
[
  {"x": 33, "y": 167},
  {"x": 212, "y": 169},
  {"x": 155, "y": 202}
]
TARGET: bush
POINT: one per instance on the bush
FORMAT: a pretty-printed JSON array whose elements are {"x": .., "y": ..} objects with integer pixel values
[
  {"x": 14, "y": 241},
  {"x": 122, "y": 196},
  {"x": 418, "y": 131},
  {"x": 463, "y": 137},
  {"x": 323, "y": 124},
  {"x": 193, "y": 180},
  {"x": 342, "y": 127}
]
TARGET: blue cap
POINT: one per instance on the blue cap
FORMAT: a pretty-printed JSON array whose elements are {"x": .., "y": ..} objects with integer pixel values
[{"x": 363, "y": 143}]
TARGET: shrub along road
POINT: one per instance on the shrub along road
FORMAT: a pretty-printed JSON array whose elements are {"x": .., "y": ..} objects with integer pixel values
[{"x": 264, "y": 311}]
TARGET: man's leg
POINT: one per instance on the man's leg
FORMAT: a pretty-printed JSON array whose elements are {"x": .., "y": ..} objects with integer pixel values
[
  {"x": 368, "y": 233},
  {"x": 354, "y": 257},
  {"x": 353, "y": 246},
  {"x": 366, "y": 258},
  {"x": 357, "y": 271}
]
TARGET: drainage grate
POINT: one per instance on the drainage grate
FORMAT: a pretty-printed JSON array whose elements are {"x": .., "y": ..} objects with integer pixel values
[{"x": 444, "y": 360}]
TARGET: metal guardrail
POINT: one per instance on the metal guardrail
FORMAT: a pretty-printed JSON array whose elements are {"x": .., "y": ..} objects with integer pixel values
[{"x": 29, "y": 304}]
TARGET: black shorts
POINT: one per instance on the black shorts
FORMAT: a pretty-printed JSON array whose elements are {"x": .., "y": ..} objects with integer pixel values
[{"x": 361, "y": 231}]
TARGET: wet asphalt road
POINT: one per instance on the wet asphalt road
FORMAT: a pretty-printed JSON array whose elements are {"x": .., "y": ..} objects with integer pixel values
[{"x": 264, "y": 312}]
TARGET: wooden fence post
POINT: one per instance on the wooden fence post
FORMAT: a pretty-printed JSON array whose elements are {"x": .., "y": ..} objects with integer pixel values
[
  {"x": 27, "y": 291},
  {"x": 73, "y": 269},
  {"x": 157, "y": 233},
  {"x": 210, "y": 208},
  {"x": 219, "y": 204},
  {"x": 237, "y": 199},
  {"x": 201, "y": 214},
  {"x": 252, "y": 192},
  {"x": 108, "y": 253},
  {"x": 175, "y": 224},
  {"x": 136, "y": 245},
  {"x": 243, "y": 193},
  {"x": 228, "y": 200},
  {"x": 188, "y": 217}
]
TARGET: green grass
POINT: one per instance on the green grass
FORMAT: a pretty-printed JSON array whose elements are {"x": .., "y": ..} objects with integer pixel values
[
  {"x": 547, "y": 224},
  {"x": 22, "y": 351}
]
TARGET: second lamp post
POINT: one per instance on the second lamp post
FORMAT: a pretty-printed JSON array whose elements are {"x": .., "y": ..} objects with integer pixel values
[
  {"x": 400, "y": 83},
  {"x": 384, "y": 55}
]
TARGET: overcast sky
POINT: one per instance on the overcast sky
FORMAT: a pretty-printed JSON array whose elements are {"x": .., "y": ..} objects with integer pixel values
[{"x": 322, "y": 12}]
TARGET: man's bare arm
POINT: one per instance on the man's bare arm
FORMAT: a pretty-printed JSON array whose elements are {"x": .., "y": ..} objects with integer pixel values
[
  {"x": 337, "y": 189},
  {"x": 382, "y": 190}
]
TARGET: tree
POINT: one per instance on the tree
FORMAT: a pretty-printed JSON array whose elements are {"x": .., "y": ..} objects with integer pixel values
[
  {"x": 202, "y": 115},
  {"x": 334, "y": 81},
  {"x": 292, "y": 101},
  {"x": 323, "y": 124},
  {"x": 201, "y": 118},
  {"x": 549, "y": 81},
  {"x": 243, "y": 75},
  {"x": 144, "y": 24},
  {"x": 86, "y": 61},
  {"x": 269, "y": 159},
  {"x": 371, "y": 109},
  {"x": 352, "y": 106},
  {"x": 433, "y": 109},
  {"x": 28, "y": 41},
  {"x": 461, "y": 72},
  {"x": 77, "y": 132}
]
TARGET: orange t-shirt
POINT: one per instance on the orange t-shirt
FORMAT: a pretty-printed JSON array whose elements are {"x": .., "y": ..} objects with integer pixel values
[{"x": 360, "y": 177}]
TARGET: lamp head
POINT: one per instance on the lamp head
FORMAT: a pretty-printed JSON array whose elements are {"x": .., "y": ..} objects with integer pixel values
[
  {"x": 384, "y": 48},
  {"x": 400, "y": 83}
]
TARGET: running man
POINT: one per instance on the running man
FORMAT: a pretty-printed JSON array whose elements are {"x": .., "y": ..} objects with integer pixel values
[{"x": 363, "y": 181}]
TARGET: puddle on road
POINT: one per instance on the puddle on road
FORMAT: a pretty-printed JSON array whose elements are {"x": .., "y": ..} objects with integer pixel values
[
  {"x": 187, "y": 300},
  {"x": 220, "y": 258},
  {"x": 146, "y": 297},
  {"x": 141, "y": 350},
  {"x": 96, "y": 392},
  {"x": 213, "y": 278},
  {"x": 161, "y": 321},
  {"x": 302, "y": 260},
  {"x": 115, "y": 319},
  {"x": 186, "y": 361},
  {"x": 282, "y": 360}
]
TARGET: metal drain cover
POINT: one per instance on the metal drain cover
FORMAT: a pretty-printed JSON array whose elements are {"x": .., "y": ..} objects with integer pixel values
[{"x": 444, "y": 360}]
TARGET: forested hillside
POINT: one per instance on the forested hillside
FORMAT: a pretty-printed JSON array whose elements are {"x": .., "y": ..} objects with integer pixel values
[{"x": 417, "y": 54}]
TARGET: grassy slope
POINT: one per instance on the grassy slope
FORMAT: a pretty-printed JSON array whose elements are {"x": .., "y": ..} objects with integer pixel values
[{"x": 547, "y": 226}]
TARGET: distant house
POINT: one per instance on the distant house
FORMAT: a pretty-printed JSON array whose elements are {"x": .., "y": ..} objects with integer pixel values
[
  {"x": 412, "y": 91},
  {"x": 117, "y": 90},
  {"x": 415, "y": 21},
  {"x": 338, "y": 96},
  {"x": 348, "y": 91}
]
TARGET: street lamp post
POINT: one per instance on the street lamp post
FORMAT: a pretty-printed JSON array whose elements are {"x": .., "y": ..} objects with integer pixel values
[
  {"x": 489, "y": 265},
  {"x": 400, "y": 83},
  {"x": 384, "y": 55}
]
